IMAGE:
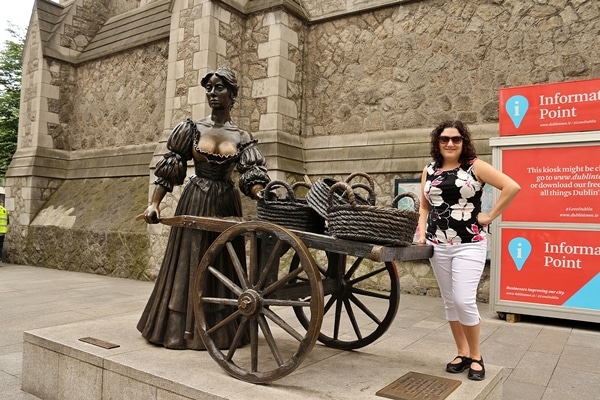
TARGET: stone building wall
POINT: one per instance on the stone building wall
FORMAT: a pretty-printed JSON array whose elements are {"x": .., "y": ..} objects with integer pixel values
[
  {"x": 100, "y": 109},
  {"x": 242, "y": 36},
  {"x": 87, "y": 226},
  {"x": 87, "y": 126},
  {"x": 416, "y": 64},
  {"x": 101, "y": 106}
]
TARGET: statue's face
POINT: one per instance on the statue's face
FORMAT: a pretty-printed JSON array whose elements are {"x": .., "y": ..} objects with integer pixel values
[{"x": 217, "y": 93}]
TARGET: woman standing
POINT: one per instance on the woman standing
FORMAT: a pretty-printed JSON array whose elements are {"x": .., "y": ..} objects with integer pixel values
[
  {"x": 216, "y": 146},
  {"x": 451, "y": 220}
]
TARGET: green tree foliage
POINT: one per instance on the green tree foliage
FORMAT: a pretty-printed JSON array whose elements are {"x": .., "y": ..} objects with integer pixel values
[{"x": 10, "y": 96}]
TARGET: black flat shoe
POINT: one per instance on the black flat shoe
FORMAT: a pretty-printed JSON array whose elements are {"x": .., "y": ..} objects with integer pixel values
[
  {"x": 465, "y": 362},
  {"x": 475, "y": 375}
]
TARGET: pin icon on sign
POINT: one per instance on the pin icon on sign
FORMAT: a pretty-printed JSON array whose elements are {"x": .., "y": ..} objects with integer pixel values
[
  {"x": 516, "y": 107},
  {"x": 519, "y": 249}
]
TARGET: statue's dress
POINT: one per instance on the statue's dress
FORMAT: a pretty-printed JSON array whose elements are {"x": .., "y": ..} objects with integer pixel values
[{"x": 168, "y": 318}]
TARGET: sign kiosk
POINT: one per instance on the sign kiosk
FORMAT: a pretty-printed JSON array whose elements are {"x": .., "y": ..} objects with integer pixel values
[{"x": 546, "y": 244}]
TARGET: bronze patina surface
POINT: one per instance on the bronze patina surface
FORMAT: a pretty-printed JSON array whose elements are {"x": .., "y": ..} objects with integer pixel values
[{"x": 417, "y": 386}]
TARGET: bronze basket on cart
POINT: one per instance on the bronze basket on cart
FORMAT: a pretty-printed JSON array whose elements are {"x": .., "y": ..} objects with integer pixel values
[
  {"x": 318, "y": 195},
  {"x": 369, "y": 223},
  {"x": 290, "y": 211}
]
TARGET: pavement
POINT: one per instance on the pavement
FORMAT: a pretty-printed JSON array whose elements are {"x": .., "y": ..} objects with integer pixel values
[{"x": 541, "y": 358}]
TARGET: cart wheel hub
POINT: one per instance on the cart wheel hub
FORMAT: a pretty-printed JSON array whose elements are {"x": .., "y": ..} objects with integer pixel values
[
  {"x": 249, "y": 303},
  {"x": 344, "y": 289}
]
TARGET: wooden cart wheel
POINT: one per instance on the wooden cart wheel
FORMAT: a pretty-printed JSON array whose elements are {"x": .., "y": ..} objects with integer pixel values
[
  {"x": 259, "y": 299},
  {"x": 361, "y": 300}
]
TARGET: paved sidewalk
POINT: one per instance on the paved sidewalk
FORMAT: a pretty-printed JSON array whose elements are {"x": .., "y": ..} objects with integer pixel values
[{"x": 545, "y": 359}]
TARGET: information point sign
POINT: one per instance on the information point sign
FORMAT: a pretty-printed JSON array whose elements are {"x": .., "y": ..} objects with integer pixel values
[
  {"x": 552, "y": 267},
  {"x": 546, "y": 245},
  {"x": 561, "y": 183},
  {"x": 550, "y": 108}
]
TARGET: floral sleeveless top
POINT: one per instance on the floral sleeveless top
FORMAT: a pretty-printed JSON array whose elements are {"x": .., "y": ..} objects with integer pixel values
[{"x": 455, "y": 199}]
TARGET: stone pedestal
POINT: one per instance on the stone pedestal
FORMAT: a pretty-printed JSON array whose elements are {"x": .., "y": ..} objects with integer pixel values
[{"x": 57, "y": 365}]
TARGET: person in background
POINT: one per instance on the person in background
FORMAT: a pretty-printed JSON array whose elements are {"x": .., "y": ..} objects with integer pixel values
[
  {"x": 451, "y": 220},
  {"x": 3, "y": 227},
  {"x": 217, "y": 147}
]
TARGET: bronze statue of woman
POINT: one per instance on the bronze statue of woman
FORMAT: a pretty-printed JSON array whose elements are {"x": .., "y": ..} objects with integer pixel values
[{"x": 216, "y": 146}]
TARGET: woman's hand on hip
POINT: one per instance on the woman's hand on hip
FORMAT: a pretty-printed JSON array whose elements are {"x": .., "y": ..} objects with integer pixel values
[{"x": 484, "y": 219}]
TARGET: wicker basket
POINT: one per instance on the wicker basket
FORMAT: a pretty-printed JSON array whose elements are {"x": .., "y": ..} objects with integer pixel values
[
  {"x": 369, "y": 223},
  {"x": 318, "y": 195},
  {"x": 291, "y": 212}
]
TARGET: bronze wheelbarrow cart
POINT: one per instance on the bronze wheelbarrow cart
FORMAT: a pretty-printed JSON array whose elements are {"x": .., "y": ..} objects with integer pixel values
[{"x": 343, "y": 293}]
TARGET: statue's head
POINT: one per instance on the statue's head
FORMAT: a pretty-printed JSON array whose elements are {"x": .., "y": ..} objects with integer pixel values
[{"x": 228, "y": 78}]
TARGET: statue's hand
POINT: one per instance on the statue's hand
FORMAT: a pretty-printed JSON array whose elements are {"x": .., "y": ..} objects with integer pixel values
[
  {"x": 152, "y": 215},
  {"x": 257, "y": 191}
]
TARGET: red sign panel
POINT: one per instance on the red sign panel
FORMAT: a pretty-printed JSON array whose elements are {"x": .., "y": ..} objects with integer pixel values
[
  {"x": 550, "y": 108},
  {"x": 553, "y": 267},
  {"x": 557, "y": 184}
]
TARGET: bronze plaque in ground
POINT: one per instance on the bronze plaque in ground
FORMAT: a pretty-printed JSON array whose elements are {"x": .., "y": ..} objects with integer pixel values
[
  {"x": 416, "y": 386},
  {"x": 99, "y": 343}
]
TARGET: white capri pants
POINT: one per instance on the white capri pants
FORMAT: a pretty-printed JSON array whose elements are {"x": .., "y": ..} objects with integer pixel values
[{"x": 458, "y": 269}]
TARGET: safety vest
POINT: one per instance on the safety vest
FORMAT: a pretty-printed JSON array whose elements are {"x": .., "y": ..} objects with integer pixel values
[{"x": 3, "y": 220}]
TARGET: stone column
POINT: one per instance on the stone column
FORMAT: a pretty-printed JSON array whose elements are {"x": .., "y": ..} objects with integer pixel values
[
  {"x": 30, "y": 181},
  {"x": 280, "y": 142},
  {"x": 194, "y": 49},
  {"x": 280, "y": 71}
]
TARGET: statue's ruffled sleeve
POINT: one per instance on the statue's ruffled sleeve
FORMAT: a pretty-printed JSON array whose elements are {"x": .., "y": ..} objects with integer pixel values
[
  {"x": 172, "y": 168},
  {"x": 252, "y": 168}
]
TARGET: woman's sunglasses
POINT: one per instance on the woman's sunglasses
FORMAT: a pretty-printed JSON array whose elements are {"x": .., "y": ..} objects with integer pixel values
[{"x": 447, "y": 139}]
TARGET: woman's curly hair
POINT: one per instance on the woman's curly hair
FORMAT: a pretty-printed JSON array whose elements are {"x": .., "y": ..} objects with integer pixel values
[{"x": 468, "y": 149}]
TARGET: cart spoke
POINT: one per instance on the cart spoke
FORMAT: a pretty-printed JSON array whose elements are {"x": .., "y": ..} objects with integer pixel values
[
  {"x": 237, "y": 264},
  {"x": 368, "y": 293},
  {"x": 219, "y": 300},
  {"x": 284, "y": 325},
  {"x": 294, "y": 264},
  {"x": 364, "y": 308},
  {"x": 286, "y": 303},
  {"x": 254, "y": 344},
  {"x": 330, "y": 302},
  {"x": 230, "y": 318},
  {"x": 352, "y": 318},
  {"x": 353, "y": 268},
  {"x": 264, "y": 326},
  {"x": 253, "y": 258},
  {"x": 272, "y": 262},
  {"x": 281, "y": 282},
  {"x": 336, "y": 324},
  {"x": 302, "y": 279},
  {"x": 366, "y": 276},
  {"x": 237, "y": 338},
  {"x": 225, "y": 281}
]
